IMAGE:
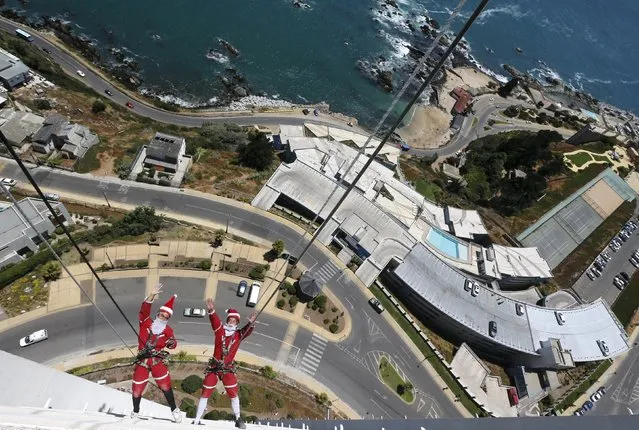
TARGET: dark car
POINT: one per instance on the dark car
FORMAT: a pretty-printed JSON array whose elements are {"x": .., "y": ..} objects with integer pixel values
[
  {"x": 46, "y": 50},
  {"x": 241, "y": 288},
  {"x": 291, "y": 259},
  {"x": 492, "y": 329},
  {"x": 376, "y": 305},
  {"x": 625, "y": 276},
  {"x": 108, "y": 92}
]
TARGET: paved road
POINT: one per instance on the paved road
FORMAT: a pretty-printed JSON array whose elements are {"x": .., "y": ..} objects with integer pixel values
[
  {"x": 348, "y": 368},
  {"x": 70, "y": 65},
  {"x": 622, "y": 389}
]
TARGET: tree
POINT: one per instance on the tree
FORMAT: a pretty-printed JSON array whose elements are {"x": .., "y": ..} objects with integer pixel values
[
  {"x": 258, "y": 153},
  {"x": 51, "y": 271},
  {"x": 401, "y": 389},
  {"x": 191, "y": 383},
  {"x": 293, "y": 301},
  {"x": 43, "y": 104},
  {"x": 322, "y": 399},
  {"x": 98, "y": 106},
  {"x": 505, "y": 90},
  {"x": 123, "y": 167},
  {"x": 333, "y": 328},
  {"x": 278, "y": 247},
  {"x": 320, "y": 301}
]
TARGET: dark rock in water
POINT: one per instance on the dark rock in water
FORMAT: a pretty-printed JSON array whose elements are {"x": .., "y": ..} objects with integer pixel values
[
  {"x": 410, "y": 26},
  {"x": 132, "y": 64},
  {"x": 225, "y": 81},
  {"x": 513, "y": 71},
  {"x": 385, "y": 80},
  {"x": 382, "y": 58},
  {"x": 64, "y": 32},
  {"x": 230, "y": 48},
  {"x": 240, "y": 92},
  {"x": 117, "y": 54},
  {"x": 415, "y": 53},
  {"x": 432, "y": 22},
  {"x": 301, "y": 4},
  {"x": 428, "y": 31},
  {"x": 552, "y": 81},
  {"x": 391, "y": 3}
]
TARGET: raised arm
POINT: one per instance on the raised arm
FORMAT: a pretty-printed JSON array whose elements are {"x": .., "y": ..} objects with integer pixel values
[
  {"x": 248, "y": 328},
  {"x": 145, "y": 309},
  {"x": 216, "y": 324}
]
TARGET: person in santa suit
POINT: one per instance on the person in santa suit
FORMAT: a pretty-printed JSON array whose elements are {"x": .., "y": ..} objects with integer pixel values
[
  {"x": 221, "y": 365},
  {"x": 155, "y": 335}
]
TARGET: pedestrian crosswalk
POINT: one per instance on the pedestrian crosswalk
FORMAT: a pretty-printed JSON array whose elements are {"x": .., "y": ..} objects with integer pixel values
[
  {"x": 313, "y": 354},
  {"x": 325, "y": 272}
]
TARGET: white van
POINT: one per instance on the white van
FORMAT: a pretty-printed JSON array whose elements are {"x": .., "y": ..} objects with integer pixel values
[{"x": 254, "y": 294}]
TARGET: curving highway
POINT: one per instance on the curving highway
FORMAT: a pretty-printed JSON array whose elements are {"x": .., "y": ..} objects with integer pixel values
[{"x": 348, "y": 368}]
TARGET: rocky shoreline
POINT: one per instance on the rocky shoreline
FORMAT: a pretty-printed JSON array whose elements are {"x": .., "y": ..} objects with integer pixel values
[{"x": 422, "y": 31}]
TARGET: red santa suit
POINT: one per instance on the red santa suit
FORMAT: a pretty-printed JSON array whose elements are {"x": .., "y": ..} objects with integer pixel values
[
  {"x": 151, "y": 355},
  {"x": 221, "y": 365}
]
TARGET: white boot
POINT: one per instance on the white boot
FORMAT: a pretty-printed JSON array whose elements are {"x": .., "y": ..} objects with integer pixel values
[
  {"x": 134, "y": 415},
  {"x": 177, "y": 415}
]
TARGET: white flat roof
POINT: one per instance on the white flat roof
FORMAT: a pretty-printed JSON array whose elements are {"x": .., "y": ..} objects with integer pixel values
[
  {"x": 521, "y": 262},
  {"x": 466, "y": 222}
]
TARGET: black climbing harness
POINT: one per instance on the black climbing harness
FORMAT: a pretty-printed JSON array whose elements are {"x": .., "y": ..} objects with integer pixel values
[{"x": 149, "y": 351}]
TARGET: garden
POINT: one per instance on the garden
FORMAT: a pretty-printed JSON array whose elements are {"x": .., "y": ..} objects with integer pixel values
[{"x": 320, "y": 311}]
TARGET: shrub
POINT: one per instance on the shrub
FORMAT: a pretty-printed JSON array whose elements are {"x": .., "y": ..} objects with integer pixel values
[
  {"x": 284, "y": 294},
  {"x": 43, "y": 104},
  {"x": 245, "y": 391},
  {"x": 277, "y": 247},
  {"x": 280, "y": 303},
  {"x": 205, "y": 265},
  {"x": 98, "y": 106},
  {"x": 257, "y": 272},
  {"x": 333, "y": 328},
  {"x": 164, "y": 182},
  {"x": 309, "y": 304},
  {"x": 191, "y": 384},
  {"x": 279, "y": 403},
  {"x": 268, "y": 372},
  {"x": 293, "y": 301},
  {"x": 188, "y": 407},
  {"x": 292, "y": 290},
  {"x": 314, "y": 306},
  {"x": 322, "y": 311},
  {"x": 320, "y": 301},
  {"x": 51, "y": 271},
  {"x": 326, "y": 321},
  {"x": 334, "y": 309},
  {"x": 401, "y": 389},
  {"x": 142, "y": 264},
  {"x": 59, "y": 230}
]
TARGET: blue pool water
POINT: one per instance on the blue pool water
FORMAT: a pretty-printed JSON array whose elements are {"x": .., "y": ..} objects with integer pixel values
[{"x": 446, "y": 244}]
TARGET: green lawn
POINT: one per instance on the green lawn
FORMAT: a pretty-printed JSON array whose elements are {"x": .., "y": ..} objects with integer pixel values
[
  {"x": 393, "y": 380},
  {"x": 580, "y": 158},
  {"x": 598, "y": 157},
  {"x": 427, "y": 189},
  {"x": 429, "y": 354},
  {"x": 628, "y": 301}
]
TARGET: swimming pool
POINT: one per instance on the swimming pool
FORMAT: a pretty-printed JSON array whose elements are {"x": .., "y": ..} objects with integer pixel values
[{"x": 447, "y": 245}]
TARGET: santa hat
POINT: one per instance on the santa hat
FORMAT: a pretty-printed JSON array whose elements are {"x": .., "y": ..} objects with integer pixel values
[
  {"x": 168, "y": 306},
  {"x": 232, "y": 313}
]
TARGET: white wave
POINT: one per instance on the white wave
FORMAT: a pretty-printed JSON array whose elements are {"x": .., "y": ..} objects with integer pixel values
[
  {"x": 542, "y": 71},
  {"x": 513, "y": 11},
  {"x": 257, "y": 101},
  {"x": 303, "y": 98},
  {"x": 623, "y": 81},
  {"x": 170, "y": 98},
  {"x": 580, "y": 77}
]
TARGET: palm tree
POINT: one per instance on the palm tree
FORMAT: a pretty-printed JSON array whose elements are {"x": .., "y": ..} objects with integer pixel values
[{"x": 199, "y": 152}]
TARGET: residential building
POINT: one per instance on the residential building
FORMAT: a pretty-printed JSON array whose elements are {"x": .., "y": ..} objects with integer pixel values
[
  {"x": 17, "y": 127},
  {"x": 16, "y": 235},
  {"x": 164, "y": 152},
  {"x": 13, "y": 71},
  {"x": 71, "y": 139},
  {"x": 591, "y": 133},
  {"x": 463, "y": 99}
]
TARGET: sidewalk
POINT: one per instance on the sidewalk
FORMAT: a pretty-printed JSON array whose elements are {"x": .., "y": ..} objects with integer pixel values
[
  {"x": 203, "y": 353},
  {"x": 603, "y": 379}
]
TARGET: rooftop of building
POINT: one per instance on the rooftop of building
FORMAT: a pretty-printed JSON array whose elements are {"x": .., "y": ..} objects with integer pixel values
[
  {"x": 12, "y": 224},
  {"x": 165, "y": 147}
]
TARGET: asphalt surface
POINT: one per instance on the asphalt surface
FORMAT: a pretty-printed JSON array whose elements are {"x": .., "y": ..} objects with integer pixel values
[
  {"x": 622, "y": 389},
  {"x": 348, "y": 368}
]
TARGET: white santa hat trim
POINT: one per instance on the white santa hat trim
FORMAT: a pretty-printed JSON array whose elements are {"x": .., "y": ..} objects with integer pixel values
[{"x": 232, "y": 314}]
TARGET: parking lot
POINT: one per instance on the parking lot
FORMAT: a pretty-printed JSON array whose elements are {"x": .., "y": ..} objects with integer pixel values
[{"x": 603, "y": 286}]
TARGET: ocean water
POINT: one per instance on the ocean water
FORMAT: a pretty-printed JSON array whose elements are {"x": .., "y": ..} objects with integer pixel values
[{"x": 308, "y": 56}]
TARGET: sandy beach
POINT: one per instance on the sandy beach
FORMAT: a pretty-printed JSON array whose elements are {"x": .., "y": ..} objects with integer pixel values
[{"x": 430, "y": 125}]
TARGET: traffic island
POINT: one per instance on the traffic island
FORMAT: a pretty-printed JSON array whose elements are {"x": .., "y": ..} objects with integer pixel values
[{"x": 391, "y": 377}]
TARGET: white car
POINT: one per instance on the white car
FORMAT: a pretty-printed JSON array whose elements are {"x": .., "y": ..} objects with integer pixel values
[
  {"x": 596, "y": 397},
  {"x": 34, "y": 337},
  {"x": 81, "y": 73},
  {"x": 194, "y": 312},
  {"x": 8, "y": 182},
  {"x": 52, "y": 196}
]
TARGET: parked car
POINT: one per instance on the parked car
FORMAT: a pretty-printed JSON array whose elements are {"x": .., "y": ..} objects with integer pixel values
[
  {"x": 492, "y": 329},
  {"x": 291, "y": 259},
  {"x": 519, "y": 308},
  {"x": 194, "y": 312},
  {"x": 606, "y": 256},
  {"x": 619, "y": 283},
  {"x": 52, "y": 196},
  {"x": 129, "y": 105},
  {"x": 578, "y": 413},
  {"x": 590, "y": 275},
  {"x": 595, "y": 397},
  {"x": 35, "y": 337},
  {"x": 241, "y": 288},
  {"x": 468, "y": 285},
  {"x": 602, "y": 390},
  {"x": 81, "y": 73},
  {"x": 108, "y": 92},
  {"x": 376, "y": 305},
  {"x": 603, "y": 347},
  {"x": 588, "y": 405},
  {"x": 8, "y": 182},
  {"x": 596, "y": 271},
  {"x": 634, "y": 261},
  {"x": 560, "y": 318},
  {"x": 625, "y": 276}
]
